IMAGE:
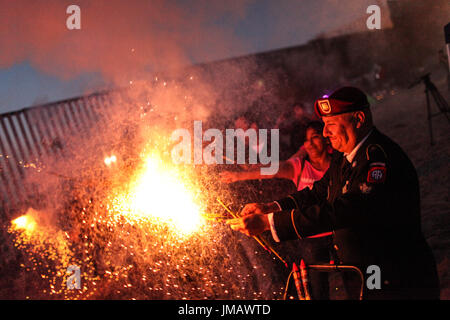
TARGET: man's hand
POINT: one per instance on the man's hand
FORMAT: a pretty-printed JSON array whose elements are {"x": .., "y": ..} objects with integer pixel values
[
  {"x": 251, "y": 225},
  {"x": 259, "y": 208}
]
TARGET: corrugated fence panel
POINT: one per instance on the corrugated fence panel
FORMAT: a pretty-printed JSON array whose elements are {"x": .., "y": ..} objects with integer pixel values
[{"x": 29, "y": 134}]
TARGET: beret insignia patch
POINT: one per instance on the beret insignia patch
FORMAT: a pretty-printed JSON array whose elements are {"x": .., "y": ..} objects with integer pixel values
[
  {"x": 376, "y": 174},
  {"x": 325, "y": 106}
]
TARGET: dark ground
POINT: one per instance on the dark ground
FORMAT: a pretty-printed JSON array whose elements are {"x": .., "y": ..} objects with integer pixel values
[{"x": 403, "y": 117}]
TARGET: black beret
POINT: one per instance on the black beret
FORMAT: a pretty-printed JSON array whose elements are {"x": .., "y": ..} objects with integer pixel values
[{"x": 343, "y": 100}]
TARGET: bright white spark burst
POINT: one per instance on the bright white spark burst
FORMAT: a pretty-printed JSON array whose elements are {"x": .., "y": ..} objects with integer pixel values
[
  {"x": 25, "y": 222},
  {"x": 162, "y": 195}
]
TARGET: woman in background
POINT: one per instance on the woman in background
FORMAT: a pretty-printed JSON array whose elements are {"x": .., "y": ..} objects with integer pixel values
[{"x": 304, "y": 168}]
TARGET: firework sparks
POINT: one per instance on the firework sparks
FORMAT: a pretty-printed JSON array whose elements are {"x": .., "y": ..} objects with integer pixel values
[
  {"x": 163, "y": 196},
  {"x": 137, "y": 226},
  {"x": 110, "y": 160},
  {"x": 25, "y": 222},
  {"x": 49, "y": 254}
]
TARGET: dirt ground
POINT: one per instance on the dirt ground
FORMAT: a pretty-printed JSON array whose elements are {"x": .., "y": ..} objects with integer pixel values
[{"x": 403, "y": 117}]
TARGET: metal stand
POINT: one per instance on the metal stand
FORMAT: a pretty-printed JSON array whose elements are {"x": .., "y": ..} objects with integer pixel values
[
  {"x": 442, "y": 105},
  {"x": 340, "y": 267},
  {"x": 301, "y": 280}
]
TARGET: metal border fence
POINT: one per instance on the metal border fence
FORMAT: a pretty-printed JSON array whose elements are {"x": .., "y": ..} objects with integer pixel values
[{"x": 30, "y": 134}]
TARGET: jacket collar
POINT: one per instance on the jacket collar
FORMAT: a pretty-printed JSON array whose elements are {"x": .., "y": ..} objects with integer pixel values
[
  {"x": 350, "y": 156},
  {"x": 360, "y": 154}
]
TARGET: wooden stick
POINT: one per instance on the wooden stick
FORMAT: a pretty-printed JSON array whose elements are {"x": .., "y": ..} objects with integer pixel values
[{"x": 261, "y": 241}]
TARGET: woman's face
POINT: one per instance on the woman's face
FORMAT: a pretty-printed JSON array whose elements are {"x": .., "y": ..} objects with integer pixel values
[{"x": 315, "y": 144}]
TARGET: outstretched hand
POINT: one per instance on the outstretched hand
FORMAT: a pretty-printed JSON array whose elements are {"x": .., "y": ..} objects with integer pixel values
[
  {"x": 251, "y": 225},
  {"x": 259, "y": 208}
]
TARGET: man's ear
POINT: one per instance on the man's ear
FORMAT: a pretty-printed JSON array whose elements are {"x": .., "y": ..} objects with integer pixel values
[{"x": 360, "y": 118}]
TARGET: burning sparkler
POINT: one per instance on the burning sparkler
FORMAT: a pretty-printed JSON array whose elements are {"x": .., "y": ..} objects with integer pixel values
[
  {"x": 25, "y": 222},
  {"x": 162, "y": 195},
  {"x": 49, "y": 254},
  {"x": 260, "y": 240},
  {"x": 141, "y": 231}
]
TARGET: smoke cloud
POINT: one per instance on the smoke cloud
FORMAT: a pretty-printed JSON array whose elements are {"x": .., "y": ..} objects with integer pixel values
[{"x": 117, "y": 38}]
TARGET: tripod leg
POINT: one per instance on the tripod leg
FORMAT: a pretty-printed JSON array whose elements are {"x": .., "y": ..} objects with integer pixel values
[
  {"x": 441, "y": 103},
  {"x": 429, "y": 117}
]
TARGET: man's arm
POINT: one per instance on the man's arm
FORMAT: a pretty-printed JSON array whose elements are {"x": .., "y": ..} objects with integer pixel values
[
  {"x": 364, "y": 204},
  {"x": 258, "y": 217}
]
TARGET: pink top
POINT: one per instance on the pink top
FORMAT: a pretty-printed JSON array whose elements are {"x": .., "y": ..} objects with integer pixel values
[{"x": 309, "y": 175}]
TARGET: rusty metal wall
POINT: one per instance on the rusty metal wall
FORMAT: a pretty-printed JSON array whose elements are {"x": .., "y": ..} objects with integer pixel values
[{"x": 30, "y": 134}]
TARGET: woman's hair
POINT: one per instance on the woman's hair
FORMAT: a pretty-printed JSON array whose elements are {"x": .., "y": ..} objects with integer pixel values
[{"x": 316, "y": 125}]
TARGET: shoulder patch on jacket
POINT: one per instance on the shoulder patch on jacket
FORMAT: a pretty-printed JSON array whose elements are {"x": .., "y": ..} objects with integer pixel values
[
  {"x": 377, "y": 164},
  {"x": 376, "y": 174}
]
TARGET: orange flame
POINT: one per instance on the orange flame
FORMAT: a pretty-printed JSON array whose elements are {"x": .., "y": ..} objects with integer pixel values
[
  {"x": 25, "y": 222},
  {"x": 162, "y": 194}
]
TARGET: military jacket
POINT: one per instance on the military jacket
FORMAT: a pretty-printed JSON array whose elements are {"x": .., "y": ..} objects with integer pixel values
[{"x": 372, "y": 206}]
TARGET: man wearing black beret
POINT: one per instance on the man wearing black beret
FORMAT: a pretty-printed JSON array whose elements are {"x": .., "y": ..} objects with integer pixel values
[{"x": 369, "y": 198}]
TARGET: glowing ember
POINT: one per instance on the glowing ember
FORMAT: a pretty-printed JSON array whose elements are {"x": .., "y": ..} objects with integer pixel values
[
  {"x": 24, "y": 222},
  {"x": 110, "y": 160}
]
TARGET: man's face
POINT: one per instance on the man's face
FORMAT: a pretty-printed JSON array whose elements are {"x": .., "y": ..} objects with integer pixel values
[{"x": 341, "y": 130}]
